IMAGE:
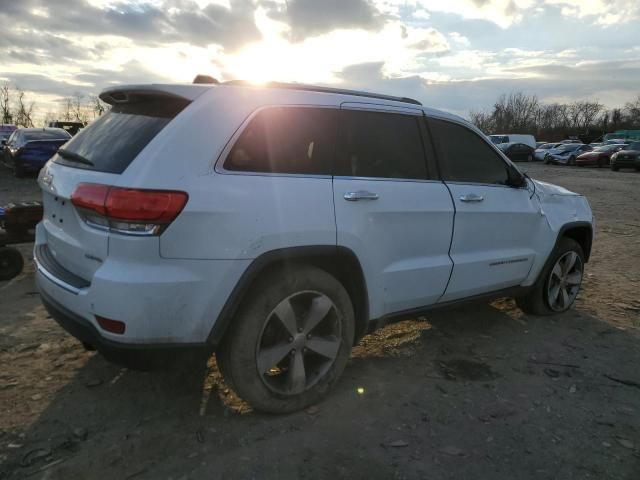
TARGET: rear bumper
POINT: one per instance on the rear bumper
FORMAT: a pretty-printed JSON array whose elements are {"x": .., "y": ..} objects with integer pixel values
[
  {"x": 161, "y": 301},
  {"x": 119, "y": 352}
]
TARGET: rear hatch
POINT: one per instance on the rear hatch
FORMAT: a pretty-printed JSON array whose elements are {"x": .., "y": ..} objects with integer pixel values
[{"x": 98, "y": 155}]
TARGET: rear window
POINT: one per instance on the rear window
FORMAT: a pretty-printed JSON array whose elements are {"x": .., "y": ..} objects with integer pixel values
[
  {"x": 45, "y": 135},
  {"x": 112, "y": 142}
]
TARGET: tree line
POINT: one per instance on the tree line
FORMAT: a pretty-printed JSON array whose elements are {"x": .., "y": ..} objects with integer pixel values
[
  {"x": 518, "y": 112},
  {"x": 18, "y": 109}
]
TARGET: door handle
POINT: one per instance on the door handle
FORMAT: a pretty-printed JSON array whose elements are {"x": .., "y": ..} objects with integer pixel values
[
  {"x": 360, "y": 195},
  {"x": 471, "y": 197}
]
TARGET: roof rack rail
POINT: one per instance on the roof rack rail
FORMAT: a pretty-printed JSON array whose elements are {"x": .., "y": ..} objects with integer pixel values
[{"x": 316, "y": 88}]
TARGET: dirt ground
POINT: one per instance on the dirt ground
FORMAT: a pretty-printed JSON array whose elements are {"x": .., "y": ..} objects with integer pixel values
[{"x": 480, "y": 392}]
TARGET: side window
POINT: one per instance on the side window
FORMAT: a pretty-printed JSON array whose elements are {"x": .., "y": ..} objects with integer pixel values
[
  {"x": 465, "y": 157},
  {"x": 286, "y": 140},
  {"x": 382, "y": 145}
]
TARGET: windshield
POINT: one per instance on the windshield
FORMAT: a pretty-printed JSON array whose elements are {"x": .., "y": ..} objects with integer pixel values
[
  {"x": 498, "y": 139},
  {"x": 546, "y": 146},
  {"x": 567, "y": 147},
  {"x": 606, "y": 148}
]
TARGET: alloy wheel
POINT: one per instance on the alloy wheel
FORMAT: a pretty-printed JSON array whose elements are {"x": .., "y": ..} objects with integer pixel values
[
  {"x": 564, "y": 281},
  {"x": 299, "y": 342}
]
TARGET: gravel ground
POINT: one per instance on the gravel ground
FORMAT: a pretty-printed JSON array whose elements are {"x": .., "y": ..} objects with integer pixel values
[{"x": 480, "y": 392}]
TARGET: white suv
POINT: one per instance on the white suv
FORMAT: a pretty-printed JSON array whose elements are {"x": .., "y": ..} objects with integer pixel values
[{"x": 279, "y": 224}]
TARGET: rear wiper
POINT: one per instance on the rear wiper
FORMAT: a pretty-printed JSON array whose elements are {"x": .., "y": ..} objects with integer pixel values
[{"x": 74, "y": 157}]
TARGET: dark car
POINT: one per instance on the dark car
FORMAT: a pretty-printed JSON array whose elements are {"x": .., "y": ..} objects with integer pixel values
[
  {"x": 28, "y": 149},
  {"x": 566, "y": 153},
  {"x": 600, "y": 156},
  {"x": 517, "y": 151},
  {"x": 628, "y": 157}
]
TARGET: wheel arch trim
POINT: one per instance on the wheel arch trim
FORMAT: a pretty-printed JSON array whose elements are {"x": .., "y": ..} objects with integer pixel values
[{"x": 288, "y": 256}]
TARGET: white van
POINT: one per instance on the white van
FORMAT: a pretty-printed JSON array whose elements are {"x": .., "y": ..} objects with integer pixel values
[{"x": 514, "y": 138}]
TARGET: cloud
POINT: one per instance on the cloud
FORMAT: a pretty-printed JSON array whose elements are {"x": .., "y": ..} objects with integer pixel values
[
  {"x": 173, "y": 20},
  {"x": 605, "y": 12},
  {"x": 550, "y": 82},
  {"x": 308, "y": 18}
]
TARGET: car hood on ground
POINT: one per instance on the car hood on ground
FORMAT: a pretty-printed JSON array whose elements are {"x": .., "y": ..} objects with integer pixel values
[{"x": 551, "y": 189}]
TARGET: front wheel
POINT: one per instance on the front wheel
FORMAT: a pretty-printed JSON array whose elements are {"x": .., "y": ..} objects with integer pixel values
[
  {"x": 290, "y": 341},
  {"x": 559, "y": 282}
]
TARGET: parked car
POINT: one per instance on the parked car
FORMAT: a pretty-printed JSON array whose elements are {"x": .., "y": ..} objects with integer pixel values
[
  {"x": 627, "y": 157},
  {"x": 514, "y": 138},
  {"x": 518, "y": 152},
  {"x": 28, "y": 149},
  {"x": 539, "y": 144},
  {"x": 596, "y": 144},
  {"x": 542, "y": 150},
  {"x": 571, "y": 140},
  {"x": 566, "y": 153},
  {"x": 297, "y": 219},
  {"x": 599, "y": 156}
]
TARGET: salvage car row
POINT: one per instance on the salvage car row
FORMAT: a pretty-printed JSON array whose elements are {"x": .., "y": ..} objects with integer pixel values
[{"x": 613, "y": 153}]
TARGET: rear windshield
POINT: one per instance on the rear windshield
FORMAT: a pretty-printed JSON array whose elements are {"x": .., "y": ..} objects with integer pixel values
[
  {"x": 112, "y": 142},
  {"x": 45, "y": 135}
]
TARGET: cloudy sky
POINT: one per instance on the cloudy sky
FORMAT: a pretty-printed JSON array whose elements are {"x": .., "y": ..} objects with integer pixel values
[{"x": 451, "y": 54}]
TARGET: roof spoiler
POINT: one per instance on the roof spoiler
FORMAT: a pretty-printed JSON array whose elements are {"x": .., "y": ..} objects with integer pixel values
[{"x": 136, "y": 93}]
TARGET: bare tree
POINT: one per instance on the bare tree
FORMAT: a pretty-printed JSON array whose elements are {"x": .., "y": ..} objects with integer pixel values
[
  {"x": 482, "y": 120},
  {"x": 97, "y": 106},
  {"x": 66, "y": 110},
  {"x": 632, "y": 112},
  {"x": 5, "y": 104},
  {"x": 24, "y": 110}
]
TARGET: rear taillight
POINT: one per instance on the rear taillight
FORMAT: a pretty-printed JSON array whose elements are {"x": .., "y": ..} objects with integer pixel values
[{"x": 128, "y": 210}]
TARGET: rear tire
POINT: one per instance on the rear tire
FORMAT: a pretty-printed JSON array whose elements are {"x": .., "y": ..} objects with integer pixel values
[
  {"x": 11, "y": 263},
  {"x": 275, "y": 364},
  {"x": 538, "y": 300}
]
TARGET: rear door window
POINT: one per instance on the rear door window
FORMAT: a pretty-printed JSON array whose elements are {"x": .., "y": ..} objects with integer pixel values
[
  {"x": 293, "y": 140},
  {"x": 380, "y": 145},
  {"x": 465, "y": 157},
  {"x": 112, "y": 141}
]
